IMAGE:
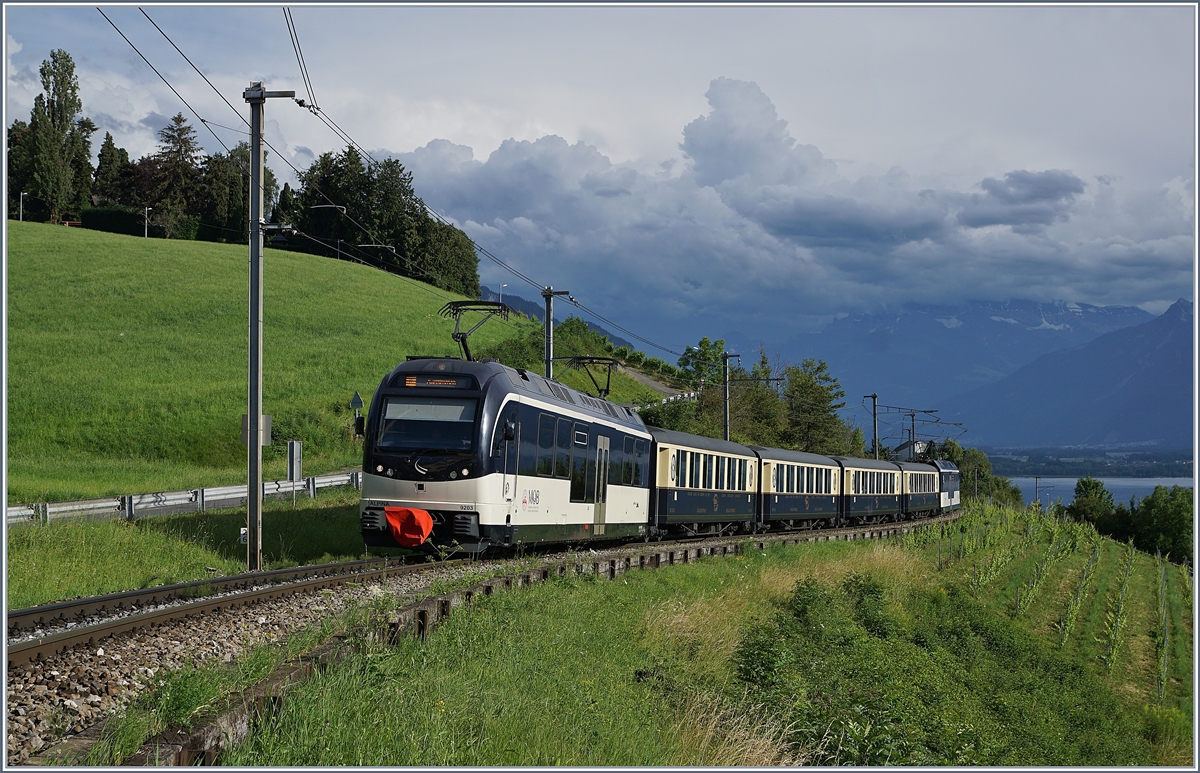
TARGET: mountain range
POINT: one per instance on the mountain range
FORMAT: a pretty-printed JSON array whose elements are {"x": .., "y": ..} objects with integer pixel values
[
  {"x": 918, "y": 355},
  {"x": 1132, "y": 386}
]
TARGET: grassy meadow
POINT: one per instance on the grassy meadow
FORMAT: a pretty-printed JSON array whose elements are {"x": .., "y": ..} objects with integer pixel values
[
  {"x": 127, "y": 359},
  {"x": 89, "y": 558},
  {"x": 897, "y": 652}
]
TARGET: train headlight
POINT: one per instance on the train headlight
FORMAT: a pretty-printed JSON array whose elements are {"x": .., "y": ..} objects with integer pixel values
[
  {"x": 390, "y": 472},
  {"x": 379, "y": 468},
  {"x": 465, "y": 471},
  {"x": 453, "y": 475}
]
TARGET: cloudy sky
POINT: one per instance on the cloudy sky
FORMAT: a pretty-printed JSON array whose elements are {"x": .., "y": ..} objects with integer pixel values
[{"x": 695, "y": 171}]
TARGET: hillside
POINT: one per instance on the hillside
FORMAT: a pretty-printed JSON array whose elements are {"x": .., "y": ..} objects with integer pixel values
[
  {"x": 127, "y": 359},
  {"x": 1127, "y": 386}
]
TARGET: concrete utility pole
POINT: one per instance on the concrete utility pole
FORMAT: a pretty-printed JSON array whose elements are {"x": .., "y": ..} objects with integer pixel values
[
  {"x": 725, "y": 358},
  {"x": 874, "y": 422},
  {"x": 21, "y": 217},
  {"x": 256, "y": 96},
  {"x": 146, "y": 223},
  {"x": 548, "y": 293}
]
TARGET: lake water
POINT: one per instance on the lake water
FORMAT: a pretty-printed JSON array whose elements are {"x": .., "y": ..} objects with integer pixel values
[{"x": 1052, "y": 489}]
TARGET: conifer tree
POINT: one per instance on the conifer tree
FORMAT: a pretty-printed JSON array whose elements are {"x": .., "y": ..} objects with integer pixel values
[{"x": 112, "y": 173}]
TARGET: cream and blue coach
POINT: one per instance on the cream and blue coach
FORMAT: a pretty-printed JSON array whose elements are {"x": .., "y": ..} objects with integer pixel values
[
  {"x": 798, "y": 490},
  {"x": 703, "y": 485},
  {"x": 870, "y": 491}
]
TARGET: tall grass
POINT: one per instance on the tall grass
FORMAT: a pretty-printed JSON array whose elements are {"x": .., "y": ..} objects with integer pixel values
[
  {"x": 1162, "y": 637},
  {"x": 1067, "y": 622},
  {"x": 838, "y": 653},
  {"x": 1114, "y": 619}
]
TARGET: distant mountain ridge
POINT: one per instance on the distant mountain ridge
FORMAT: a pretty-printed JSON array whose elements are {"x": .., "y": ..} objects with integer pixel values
[
  {"x": 920, "y": 354},
  {"x": 1127, "y": 386}
]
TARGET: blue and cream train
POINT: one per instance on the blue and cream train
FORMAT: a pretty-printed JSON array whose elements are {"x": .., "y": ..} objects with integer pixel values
[{"x": 478, "y": 454}]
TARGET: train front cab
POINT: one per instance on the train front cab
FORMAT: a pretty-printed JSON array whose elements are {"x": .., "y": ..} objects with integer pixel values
[
  {"x": 704, "y": 486},
  {"x": 870, "y": 491},
  {"x": 949, "y": 479},
  {"x": 494, "y": 456},
  {"x": 797, "y": 490}
]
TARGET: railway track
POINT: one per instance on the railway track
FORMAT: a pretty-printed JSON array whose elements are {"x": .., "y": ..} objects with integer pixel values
[{"x": 121, "y": 612}]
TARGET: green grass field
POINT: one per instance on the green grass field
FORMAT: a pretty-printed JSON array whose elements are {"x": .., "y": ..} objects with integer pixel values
[
  {"x": 828, "y": 653},
  {"x": 128, "y": 357},
  {"x": 91, "y": 558}
]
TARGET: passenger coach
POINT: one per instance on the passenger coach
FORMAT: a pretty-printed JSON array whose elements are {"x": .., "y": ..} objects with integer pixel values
[
  {"x": 704, "y": 486},
  {"x": 798, "y": 490}
]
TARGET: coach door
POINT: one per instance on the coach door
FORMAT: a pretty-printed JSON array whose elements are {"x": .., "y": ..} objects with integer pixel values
[
  {"x": 601, "y": 484},
  {"x": 512, "y": 445}
]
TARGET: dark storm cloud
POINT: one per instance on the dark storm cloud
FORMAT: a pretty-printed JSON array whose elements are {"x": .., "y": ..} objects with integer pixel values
[
  {"x": 755, "y": 224},
  {"x": 743, "y": 135},
  {"x": 1022, "y": 199}
]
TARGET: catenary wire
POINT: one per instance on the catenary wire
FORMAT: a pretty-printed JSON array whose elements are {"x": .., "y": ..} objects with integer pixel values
[
  {"x": 315, "y": 110},
  {"x": 164, "y": 80}
]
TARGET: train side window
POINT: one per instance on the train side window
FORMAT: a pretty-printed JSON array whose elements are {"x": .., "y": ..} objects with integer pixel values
[
  {"x": 640, "y": 463},
  {"x": 720, "y": 472},
  {"x": 808, "y": 480},
  {"x": 579, "y": 463},
  {"x": 694, "y": 478},
  {"x": 627, "y": 471},
  {"x": 562, "y": 455},
  {"x": 616, "y": 460},
  {"x": 742, "y": 474},
  {"x": 527, "y": 433},
  {"x": 545, "y": 458},
  {"x": 791, "y": 478}
]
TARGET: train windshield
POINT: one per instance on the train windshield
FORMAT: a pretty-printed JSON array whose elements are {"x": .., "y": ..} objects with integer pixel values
[{"x": 425, "y": 424}]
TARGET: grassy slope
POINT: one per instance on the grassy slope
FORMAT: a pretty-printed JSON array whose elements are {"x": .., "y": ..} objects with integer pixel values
[
  {"x": 127, "y": 359},
  {"x": 649, "y": 670}
]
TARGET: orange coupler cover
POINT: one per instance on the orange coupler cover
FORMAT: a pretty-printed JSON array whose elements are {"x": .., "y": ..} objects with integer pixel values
[{"x": 409, "y": 526}]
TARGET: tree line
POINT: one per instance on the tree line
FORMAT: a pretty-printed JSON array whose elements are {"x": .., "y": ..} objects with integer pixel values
[
  {"x": 179, "y": 192},
  {"x": 1161, "y": 522}
]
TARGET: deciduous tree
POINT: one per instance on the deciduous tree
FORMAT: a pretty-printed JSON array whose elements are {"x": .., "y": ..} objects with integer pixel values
[{"x": 55, "y": 129}]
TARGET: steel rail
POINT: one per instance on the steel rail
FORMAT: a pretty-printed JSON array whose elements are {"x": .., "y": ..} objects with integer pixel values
[
  {"x": 76, "y": 609},
  {"x": 47, "y": 646}
]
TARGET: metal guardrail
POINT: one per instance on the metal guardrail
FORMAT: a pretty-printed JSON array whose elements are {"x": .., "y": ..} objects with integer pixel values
[{"x": 131, "y": 506}]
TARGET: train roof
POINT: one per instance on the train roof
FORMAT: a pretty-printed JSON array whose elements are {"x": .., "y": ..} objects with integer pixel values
[
  {"x": 944, "y": 466},
  {"x": 916, "y": 466},
  {"x": 800, "y": 457},
  {"x": 521, "y": 381},
  {"x": 697, "y": 441},
  {"x": 866, "y": 464}
]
